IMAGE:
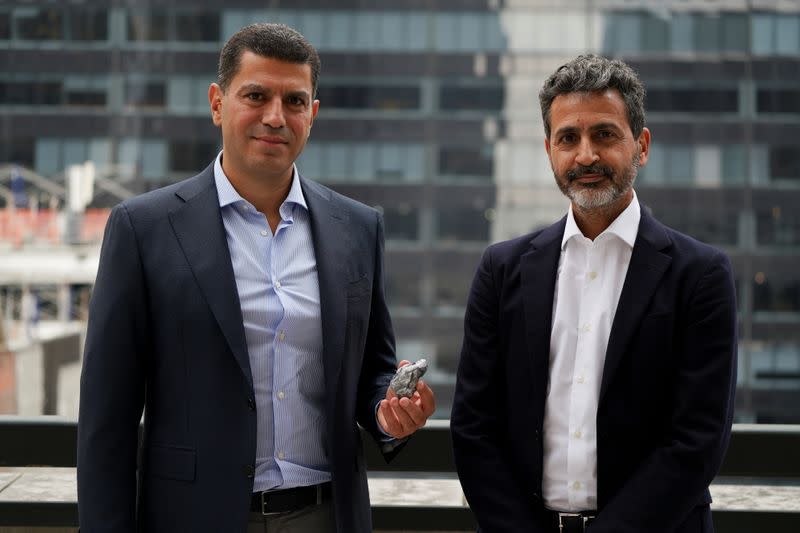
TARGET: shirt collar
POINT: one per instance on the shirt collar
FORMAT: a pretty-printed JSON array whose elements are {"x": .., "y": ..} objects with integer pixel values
[
  {"x": 228, "y": 195},
  {"x": 625, "y": 226}
]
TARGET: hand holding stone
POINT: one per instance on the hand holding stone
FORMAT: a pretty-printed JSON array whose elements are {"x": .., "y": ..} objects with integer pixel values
[
  {"x": 402, "y": 416},
  {"x": 404, "y": 382}
]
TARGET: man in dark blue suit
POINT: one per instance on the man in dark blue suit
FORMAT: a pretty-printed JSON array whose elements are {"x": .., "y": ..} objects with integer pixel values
[
  {"x": 243, "y": 311},
  {"x": 596, "y": 382}
]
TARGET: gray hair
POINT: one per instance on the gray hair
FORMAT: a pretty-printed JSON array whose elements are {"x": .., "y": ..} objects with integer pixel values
[
  {"x": 275, "y": 41},
  {"x": 593, "y": 73}
]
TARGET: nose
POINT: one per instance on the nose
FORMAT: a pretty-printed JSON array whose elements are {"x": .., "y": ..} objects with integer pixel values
[
  {"x": 587, "y": 154},
  {"x": 272, "y": 115}
]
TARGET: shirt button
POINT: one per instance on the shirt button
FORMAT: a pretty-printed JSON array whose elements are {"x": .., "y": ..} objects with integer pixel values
[
  {"x": 249, "y": 471},
  {"x": 578, "y": 434},
  {"x": 281, "y": 395},
  {"x": 264, "y": 233},
  {"x": 576, "y": 485},
  {"x": 251, "y": 403},
  {"x": 580, "y": 379},
  {"x": 281, "y": 456},
  {"x": 277, "y": 284},
  {"x": 587, "y": 328},
  {"x": 592, "y": 275},
  {"x": 281, "y": 335}
]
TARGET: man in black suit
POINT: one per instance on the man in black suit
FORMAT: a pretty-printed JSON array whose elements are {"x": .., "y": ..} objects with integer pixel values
[
  {"x": 596, "y": 382},
  {"x": 243, "y": 311}
]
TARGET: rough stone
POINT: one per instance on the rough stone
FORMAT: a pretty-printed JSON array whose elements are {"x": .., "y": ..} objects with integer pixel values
[{"x": 404, "y": 382}]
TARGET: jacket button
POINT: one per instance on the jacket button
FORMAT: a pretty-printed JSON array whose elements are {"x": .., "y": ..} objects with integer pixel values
[
  {"x": 251, "y": 403},
  {"x": 249, "y": 471}
]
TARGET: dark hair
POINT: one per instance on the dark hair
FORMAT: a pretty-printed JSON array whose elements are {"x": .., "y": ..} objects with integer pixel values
[
  {"x": 275, "y": 41},
  {"x": 592, "y": 73}
]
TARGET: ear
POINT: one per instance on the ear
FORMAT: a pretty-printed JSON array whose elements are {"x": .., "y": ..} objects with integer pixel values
[
  {"x": 215, "y": 102},
  {"x": 644, "y": 146},
  {"x": 314, "y": 111},
  {"x": 547, "y": 149}
]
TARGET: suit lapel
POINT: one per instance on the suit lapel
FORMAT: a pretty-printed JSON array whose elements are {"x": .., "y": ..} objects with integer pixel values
[
  {"x": 330, "y": 238},
  {"x": 647, "y": 266},
  {"x": 201, "y": 234},
  {"x": 538, "y": 269}
]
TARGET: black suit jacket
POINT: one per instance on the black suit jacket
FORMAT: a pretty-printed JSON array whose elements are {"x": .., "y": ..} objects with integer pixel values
[
  {"x": 165, "y": 335},
  {"x": 666, "y": 398}
]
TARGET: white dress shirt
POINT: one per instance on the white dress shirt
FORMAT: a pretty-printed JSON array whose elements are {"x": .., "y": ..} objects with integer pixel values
[
  {"x": 276, "y": 277},
  {"x": 588, "y": 285}
]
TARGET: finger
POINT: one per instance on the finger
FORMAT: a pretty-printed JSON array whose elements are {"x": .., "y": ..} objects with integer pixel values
[
  {"x": 415, "y": 413},
  {"x": 404, "y": 362},
  {"x": 388, "y": 419},
  {"x": 390, "y": 393},
  {"x": 403, "y": 417},
  {"x": 427, "y": 398}
]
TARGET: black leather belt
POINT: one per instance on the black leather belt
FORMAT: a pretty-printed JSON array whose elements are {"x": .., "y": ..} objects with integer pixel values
[
  {"x": 288, "y": 500},
  {"x": 561, "y": 522}
]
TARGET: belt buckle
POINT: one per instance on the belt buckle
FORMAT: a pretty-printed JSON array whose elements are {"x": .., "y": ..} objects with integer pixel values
[
  {"x": 264, "y": 511},
  {"x": 571, "y": 515}
]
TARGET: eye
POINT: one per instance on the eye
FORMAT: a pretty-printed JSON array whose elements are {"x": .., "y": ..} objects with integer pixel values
[
  {"x": 254, "y": 97},
  {"x": 568, "y": 138},
  {"x": 605, "y": 134},
  {"x": 296, "y": 101}
]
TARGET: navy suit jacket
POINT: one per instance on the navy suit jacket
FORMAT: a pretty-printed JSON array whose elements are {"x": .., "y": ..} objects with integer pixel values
[
  {"x": 165, "y": 336},
  {"x": 666, "y": 398}
]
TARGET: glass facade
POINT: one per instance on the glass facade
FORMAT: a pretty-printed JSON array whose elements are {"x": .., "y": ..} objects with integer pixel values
[{"x": 429, "y": 112}]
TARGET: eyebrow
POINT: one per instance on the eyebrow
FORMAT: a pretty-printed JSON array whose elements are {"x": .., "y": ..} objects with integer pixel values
[
  {"x": 594, "y": 127},
  {"x": 257, "y": 87}
]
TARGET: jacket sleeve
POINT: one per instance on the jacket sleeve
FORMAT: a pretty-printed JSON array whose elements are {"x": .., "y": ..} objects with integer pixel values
[
  {"x": 379, "y": 361},
  {"x": 112, "y": 384},
  {"x": 486, "y": 475},
  {"x": 671, "y": 480}
]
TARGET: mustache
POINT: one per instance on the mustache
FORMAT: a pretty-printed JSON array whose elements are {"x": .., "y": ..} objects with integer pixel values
[{"x": 580, "y": 171}]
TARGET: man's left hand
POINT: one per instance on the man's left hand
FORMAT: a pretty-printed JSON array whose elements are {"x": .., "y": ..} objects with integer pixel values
[{"x": 400, "y": 417}]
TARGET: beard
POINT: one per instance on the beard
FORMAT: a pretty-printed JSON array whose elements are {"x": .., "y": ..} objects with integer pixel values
[{"x": 603, "y": 193}]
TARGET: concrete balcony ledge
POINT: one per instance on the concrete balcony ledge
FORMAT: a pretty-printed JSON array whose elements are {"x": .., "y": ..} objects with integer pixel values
[
  {"x": 758, "y": 488},
  {"x": 47, "y": 497}
]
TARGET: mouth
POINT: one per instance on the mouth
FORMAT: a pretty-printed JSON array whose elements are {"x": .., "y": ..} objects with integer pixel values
[
  {"x": 271, "y": 140},
  {"x": 589, "y": 179}
]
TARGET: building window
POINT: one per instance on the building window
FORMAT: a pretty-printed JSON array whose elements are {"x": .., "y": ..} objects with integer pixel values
[
  {"x": 711, "y": 224},
  {"x": 5, "y": 25},
  {"x": 462, "y": 224},
  {"x": 401, "y": 222},
  {"x": 734, "y": 32},
  {"x": 145, "y": 94},
  {"x": 197, "y": 26},
  {"x": 778, "y": 101},
  {"x": 148, "y": 26},
  {"x": 40, "y": 24},
  {"x": 363, "y": 161},
  {"x": 191, "y": 156},
  {"x": 776, "y": 294},
  {"x": 472, "y": 98},
  {"x": 692, "y": 100},
  {"x": 85, "y": 98},
  {"x": 784, "y": 163},
  {"x": 18, "y": 150},
  {"x": 54, "y": 155},
  {"x": 385, "y": 98},
  {"x": 778, "y": 226},
  {"x": 403, "y": 278},
  {"x": 466, "y": 161},
  {"x": 144, "y": 158},
  {"x": 44, "y": 93},
  {"x": 88, "y": 24}
]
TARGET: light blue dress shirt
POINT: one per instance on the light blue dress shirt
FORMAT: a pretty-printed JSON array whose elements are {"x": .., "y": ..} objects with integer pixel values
[{"x": 276, "y": 277}]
